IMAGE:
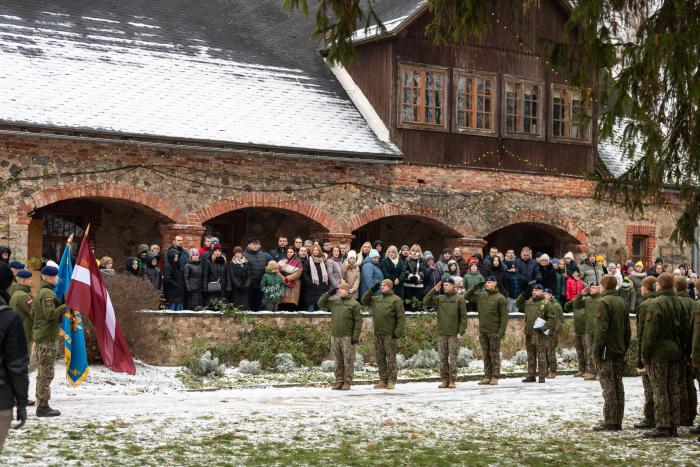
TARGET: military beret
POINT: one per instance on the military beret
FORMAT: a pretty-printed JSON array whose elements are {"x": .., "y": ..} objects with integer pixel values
[
  {"x": 23, "y": 274},
  {"x": 17, "y": 265},
  {"x": 49, "y": 271},
  {"x": 491, "y": 279},
  {"x": 537, "y": 287},
  {"x": 548, "y": 290},
  {"x": 449, "y": 280}
]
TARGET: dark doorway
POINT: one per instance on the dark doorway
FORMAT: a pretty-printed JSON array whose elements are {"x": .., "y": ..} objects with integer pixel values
[
  {"x": 406, "y": 230},
  {"x": 540, "y": 237}
]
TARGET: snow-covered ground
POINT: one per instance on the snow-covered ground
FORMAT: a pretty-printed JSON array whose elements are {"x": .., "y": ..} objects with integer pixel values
[{"x": 150, "y": 420}]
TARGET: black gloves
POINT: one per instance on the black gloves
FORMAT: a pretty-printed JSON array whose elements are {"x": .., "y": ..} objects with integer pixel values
[
  {"x": 21, "y": 417},
  {"x": 354, "y": 341},
  {"x": 375, "y": 287},
  {"x": 332, "y": 292}
]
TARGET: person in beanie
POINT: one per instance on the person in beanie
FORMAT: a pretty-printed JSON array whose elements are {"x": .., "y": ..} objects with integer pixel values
[
  {"x": 554, "y": 341},
  {"x": 473, "y": 278},
  {"x": 379, "y": 246},
  {"x": 591, "y": 270},
  {"x": 443, "y": 262},
  {"x": 637, "y": 276},
  {"x": 613, "y": 271},
  {"x": 648, "y": 292},
  {"x": 493, "y": 321},
  {"x": 173, "y": 281},
  {"x": 394, "y": 269},
  {"x": 351, "y": 274},
  {"x": 47, "y": 311},
  {"x": 662, "y": 355},
  {"x": 193, "y": 277},
  {"x": 5, "y": 253},
  {"x": 537, "y": 339},
  {"x": 560, "y": 281},
  {"x": 239, "y": 279},
  {"x": 628, "y": 295},
  {"x": 388, "y": 323},
  {"x": 569, "y": 263},
  {"x": 611, "y": 341},
  {"x": 21, "y": 301},
  {"x": 346, "y": 324},
  {"x": 588, "y": 301},
  {"x": 686, "y": 379},
  {"x": 546, "y": 273},
  {"x": 15, "y": 267},
  {"x": 14, "y": 382},
  {"x": 451, "y": 312},
  {"x": 272, "y": 286},
  {"x": 370, "y": 272},
  {"x": 151, "y": 271},
  {"x": 141, "y": 252},
  {"x": 432, "y": 276}
]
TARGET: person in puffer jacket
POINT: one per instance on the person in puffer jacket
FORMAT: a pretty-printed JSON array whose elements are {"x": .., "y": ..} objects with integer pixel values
[
  {"x": 214, "y": 270},
  {"x": 257, "y": 261},
  {"x": 173, "y": 283},
  {"x": 194, "y": 282},
  {"x": 152, "y": 272},
  {"x": 414, "y": 286}
]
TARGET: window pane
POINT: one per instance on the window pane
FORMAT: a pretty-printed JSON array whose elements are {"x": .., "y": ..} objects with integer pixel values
[{"x": 460, "y": 84}]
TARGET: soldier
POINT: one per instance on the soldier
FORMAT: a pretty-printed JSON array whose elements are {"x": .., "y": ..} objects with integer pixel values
[
  {"x": 47, "y": 310},
  {"x": 537, "y": 339},
  {"x": 695, "y": 354},
  {"x": 588, "y": 300},
  {"x": 580, "y": 335},
  {"x": 388, "y": 321},
  {"x": 686, "y": 382},
  {"x": 15, "y": 267},
  {"x": 554, "y": 341},
  {"x": 662, "y": 355},
  {"x": 346, "y": 324},
  {"x": 611, "y": 341},
  {"x": 493, "y": 320},
  {"x": 647, "y": 292},
  {"x": 451, "y": 312},
  {"x": 21, "y": 302}
]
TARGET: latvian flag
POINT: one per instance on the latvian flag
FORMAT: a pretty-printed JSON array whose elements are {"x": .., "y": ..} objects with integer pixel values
[{"x": 88, "y": 295}]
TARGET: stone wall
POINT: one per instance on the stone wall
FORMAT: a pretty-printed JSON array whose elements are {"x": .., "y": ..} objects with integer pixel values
[
  {"x": 164, "y": 338},
  {"x": 184, "y": 189}
]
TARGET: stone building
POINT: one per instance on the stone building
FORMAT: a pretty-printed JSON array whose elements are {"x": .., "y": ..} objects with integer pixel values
[{"x": 151, "y": 119}]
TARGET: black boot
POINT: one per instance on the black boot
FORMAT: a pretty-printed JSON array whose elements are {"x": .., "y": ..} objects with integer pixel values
[
  {"x": 695, "y": 430},
  {"x": 541, "y": 380},
  {"x": 605, "y": 427},
  {"x": 674, "y": 431},
  {"x": 31, "y": 403},
  {"x": 643, "y": 425},
  {"x": 46, "y": 411},
  {"x": 529, "y": 379},
  {"x": 658, "y": 433}
]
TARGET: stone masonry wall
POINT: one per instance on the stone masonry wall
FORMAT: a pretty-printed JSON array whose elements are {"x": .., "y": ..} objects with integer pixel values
[{"x": 184, "y": 189}]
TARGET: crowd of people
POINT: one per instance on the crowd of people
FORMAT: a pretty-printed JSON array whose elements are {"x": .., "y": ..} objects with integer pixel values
[{"x": 308, "y": 275}]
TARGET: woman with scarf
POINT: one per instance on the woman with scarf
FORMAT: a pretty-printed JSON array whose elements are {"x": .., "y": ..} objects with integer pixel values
[
  {"x": 415, "y": 274},
  {"x": 315, "y": 279},
  {"x": 239, "y": 279},
  {"x": 291, "y": 268},
  {"x": 394, "y": 269}
]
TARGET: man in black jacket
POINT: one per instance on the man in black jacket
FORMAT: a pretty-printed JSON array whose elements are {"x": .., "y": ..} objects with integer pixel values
[
  {"x": 14, "y": 382},
  {"x": 279, "y": 252},
  {"x": 258, "y": 261}
]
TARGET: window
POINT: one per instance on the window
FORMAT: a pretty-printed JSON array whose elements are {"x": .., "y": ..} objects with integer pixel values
[
  {"x": 639, "y": 248},
  {"x": 523, "y": 114},
  {"x": 570, "y": 113},
  {"x": 475, "y": 96},
  {"x": 423, "y": 96}
]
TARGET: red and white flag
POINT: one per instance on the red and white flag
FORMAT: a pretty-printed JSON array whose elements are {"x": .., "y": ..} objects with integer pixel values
[{"x": 88, "y": 295}]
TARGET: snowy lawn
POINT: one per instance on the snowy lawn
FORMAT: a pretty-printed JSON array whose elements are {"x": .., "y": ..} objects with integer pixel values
[{"x": 151, "y": 420}]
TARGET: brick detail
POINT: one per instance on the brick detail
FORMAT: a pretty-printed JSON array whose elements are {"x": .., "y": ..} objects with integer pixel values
[
  {"x": 541, "y": 217},
  {"x": 650, "y": 232},
  {"x": 469, "y": 246},
  {"x": 419, "y": 212},
  {"x": 191, "y": 235}
]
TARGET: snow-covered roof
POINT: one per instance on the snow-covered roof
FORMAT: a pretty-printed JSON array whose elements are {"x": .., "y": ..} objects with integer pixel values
[
  {"x": 393, "y": 14},
  {"x": 234, "y": 71},
  {"x": 611, "y": 154}
]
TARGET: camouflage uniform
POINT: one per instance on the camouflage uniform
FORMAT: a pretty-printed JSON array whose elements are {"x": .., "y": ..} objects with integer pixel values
[
  {"x": 610, "y": 375},
  {"x": 663, "y": 377},
  {"x": 491, "y": 348},
  {"x": 537, "y": 344},
  {"x": 344, "y": 355},
  {"x": 554, "y": 340},
  {"x": 47, "y": 310},
  {"x": 589, "y": 303},
  {"x": 493, "y": 321},
  {"x": 385, "y": 349},
  {"x": 448, "y": 349},
  {"x": 686, "y": 381},
  {"x": 643, "y": 311},
  {"x": 21, "y": 302},
  {"x": 451, "y": 310}
]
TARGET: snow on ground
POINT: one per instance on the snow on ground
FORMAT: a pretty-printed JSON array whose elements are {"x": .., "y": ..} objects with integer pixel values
[{"x": 148, "y": 420}]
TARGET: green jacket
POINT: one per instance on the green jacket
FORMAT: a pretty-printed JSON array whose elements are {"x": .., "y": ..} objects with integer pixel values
[
  {"x": 272, "y": 287},
  {"x": 47, "y": 311},
  {"x": 559, "y": 312},
  {"x": 686, "y": 316},
  {"x": 630, "y": 297},
  {"x": 695, "y": 356},
  {"x": 346, "y": 319},
  {"x": 451, "y": 312},
  {"x": 612, "y": 327},
  {"x": 21, "y": 302},
  {"x": 662, "y": 330},
  {"x": 493, "y": 310},
  {"x": 387, "y": 313},
  {"x": 589, "y": 303},
  {"x": 589, "y": 272},
  {"x": 14, "y": 287},
  {"x": 539, "y": 308},
  {"x": 560, "y": 285},
  {"x": 473, "y": 278},
  {"x": 642, "y": 311}
]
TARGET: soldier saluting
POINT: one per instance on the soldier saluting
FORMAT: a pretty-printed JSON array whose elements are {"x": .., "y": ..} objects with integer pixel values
[
  {"x": 537, "y": 339},
  {"x": 47, "y": 310}
]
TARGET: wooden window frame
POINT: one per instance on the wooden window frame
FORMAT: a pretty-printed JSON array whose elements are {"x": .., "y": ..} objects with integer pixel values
[
  {"x": 587, "y": 140},
  {"x": 540, "y": 114},
  {"x": 444, "y": 126},
  {"x": 458, "y": 73}
]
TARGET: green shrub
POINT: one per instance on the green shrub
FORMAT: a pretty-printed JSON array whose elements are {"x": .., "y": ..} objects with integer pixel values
[
  {"x": 419, "y": 334},
  {"x": 308, "y": 345}
]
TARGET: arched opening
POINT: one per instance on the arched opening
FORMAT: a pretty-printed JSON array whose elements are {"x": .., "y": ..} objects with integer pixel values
[
  {"x": 117, "y": 227},
  {"x": 406, "y": 230},
  {"x": 266, "y": 224},
  {"x": 540, "y": 237}
]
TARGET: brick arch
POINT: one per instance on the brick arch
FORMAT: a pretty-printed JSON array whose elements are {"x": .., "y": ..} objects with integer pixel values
[
  {"x": 388, "y": 210},
  {"x": 117, "y": 191},
  {"x": 265, "y": 200},
  {"x": 541, "y": 217}
]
